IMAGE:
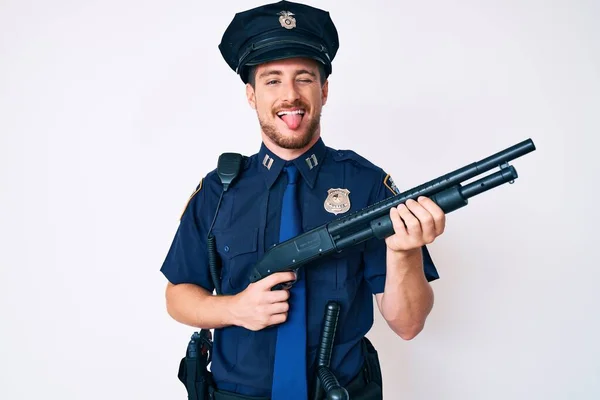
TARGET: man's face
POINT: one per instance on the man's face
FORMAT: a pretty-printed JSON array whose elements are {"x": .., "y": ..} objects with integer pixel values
[{"x": 288, "y": 98}]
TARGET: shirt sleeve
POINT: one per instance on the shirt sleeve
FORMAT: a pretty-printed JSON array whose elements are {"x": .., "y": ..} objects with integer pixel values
[
  {"x": 375, "y": 249},
  {"x": 187, "y": 258}
]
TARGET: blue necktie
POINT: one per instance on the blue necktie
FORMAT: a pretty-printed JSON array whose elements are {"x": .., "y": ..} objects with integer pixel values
[{"x": 289, "y": 374}]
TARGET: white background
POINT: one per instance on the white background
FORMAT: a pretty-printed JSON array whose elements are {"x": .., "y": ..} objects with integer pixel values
[{"x": 112, "y": 111}]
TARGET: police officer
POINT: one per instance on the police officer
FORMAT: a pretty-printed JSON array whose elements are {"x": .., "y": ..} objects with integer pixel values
[{"x": 265, "y": 341}]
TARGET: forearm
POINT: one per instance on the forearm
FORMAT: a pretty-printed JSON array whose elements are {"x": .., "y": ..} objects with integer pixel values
[
  {"x": 194, "y": 306},
  {"x": 408, "y": 298}
]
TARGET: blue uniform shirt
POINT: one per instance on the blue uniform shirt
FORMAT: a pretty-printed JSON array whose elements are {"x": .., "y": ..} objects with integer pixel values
[{"x": 247, "y": 225}]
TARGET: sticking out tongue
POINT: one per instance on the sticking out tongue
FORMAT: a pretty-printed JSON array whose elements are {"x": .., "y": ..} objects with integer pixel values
[{"x": 292, "y": 120}]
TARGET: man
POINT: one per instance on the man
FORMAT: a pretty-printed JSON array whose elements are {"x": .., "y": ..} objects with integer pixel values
[{"x": 283, "y": 53}]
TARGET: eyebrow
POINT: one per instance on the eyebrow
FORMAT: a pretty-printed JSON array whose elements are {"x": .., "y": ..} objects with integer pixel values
[
  {"x": 305, "y": 71},
  {"x": 279, "y": 73}
]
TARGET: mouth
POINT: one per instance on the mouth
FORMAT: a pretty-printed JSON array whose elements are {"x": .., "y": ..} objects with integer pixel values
[{"x": 292, "y": 118}]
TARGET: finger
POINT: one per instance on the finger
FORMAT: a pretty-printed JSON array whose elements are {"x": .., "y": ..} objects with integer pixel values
[
  {"x": 437, "y": 213},
  {"x": 413, "y": 226},
  {"x": 277, "y": 296},
  {"x": 278, "y": 277},
  {"x": 276, "y": 319},
  {"x": 286, "y": 285},
  {"x": 425, "y": 218},
  {"x": 397, "y": 223},
  {"x": 286, "y": 276},
  {"x": 278, "y": 308}
]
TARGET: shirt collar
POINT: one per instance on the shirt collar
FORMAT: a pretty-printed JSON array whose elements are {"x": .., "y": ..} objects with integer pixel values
[{"x": 308, "y": 163}]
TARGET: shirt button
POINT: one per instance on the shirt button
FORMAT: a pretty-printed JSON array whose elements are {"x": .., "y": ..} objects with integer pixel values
[{"x": 226, "y": 248}]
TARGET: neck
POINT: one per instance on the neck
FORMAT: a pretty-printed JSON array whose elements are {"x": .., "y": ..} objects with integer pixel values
[{"x": 289, "y": 154}]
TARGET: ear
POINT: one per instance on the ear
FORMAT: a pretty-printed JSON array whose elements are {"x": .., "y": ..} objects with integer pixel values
[
  {"x": 325, "y": 92},
  {"x": 251, "y": 96}
]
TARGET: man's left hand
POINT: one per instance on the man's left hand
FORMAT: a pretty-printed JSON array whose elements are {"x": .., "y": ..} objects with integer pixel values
[{"x": 416, "y": 223}]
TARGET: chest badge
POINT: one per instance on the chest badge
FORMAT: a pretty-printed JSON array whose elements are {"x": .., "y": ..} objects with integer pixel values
[{"x": 337, "y": 201}]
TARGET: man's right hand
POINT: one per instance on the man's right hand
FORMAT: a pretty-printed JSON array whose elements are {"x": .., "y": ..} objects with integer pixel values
[{"x": 258, "y": 306}]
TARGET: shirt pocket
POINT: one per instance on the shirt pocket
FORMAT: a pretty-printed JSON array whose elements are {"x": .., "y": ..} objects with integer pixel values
[
  {"x": 238, "y": 253},
  {"x": 349, "y": 264},
  {"x": 337, "y": 271}
]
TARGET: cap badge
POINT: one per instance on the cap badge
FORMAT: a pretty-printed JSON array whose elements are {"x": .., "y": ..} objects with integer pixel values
[
  {"x": 337, "y": 201},
  {"x": 287, "y": 20}
]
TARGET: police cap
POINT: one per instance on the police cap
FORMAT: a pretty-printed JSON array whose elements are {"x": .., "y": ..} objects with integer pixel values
[{"x": 276, "y": 31}]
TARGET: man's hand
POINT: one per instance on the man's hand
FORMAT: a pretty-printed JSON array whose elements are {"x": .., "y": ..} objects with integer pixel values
[
  {"x": 415, "y": 224},
  {"x": 408, "y": 298},
  {"x": 258, "y": 306}
]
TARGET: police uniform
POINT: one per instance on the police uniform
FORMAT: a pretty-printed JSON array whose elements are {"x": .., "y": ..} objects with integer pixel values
[{"x": 331, "y": 184}]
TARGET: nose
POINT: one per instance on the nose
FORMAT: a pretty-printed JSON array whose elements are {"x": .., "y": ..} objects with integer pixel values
[{"x": 290, "y": 92}]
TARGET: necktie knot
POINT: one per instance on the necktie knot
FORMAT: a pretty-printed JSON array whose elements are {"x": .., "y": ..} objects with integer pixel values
[{"x": 292, "y": 173}]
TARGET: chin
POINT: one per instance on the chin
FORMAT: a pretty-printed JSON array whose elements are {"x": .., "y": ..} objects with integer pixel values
[{"x": 292, "y": 139}]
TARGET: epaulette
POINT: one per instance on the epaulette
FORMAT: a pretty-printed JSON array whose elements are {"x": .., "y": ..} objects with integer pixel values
[
  {"x": 210, "y": 177},
  {"x": 388, "y": 182},
  {"x": 342, "y": 155}
]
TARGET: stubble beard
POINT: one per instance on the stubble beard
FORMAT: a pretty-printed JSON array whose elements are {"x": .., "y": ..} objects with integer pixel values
[{"x": 287, "y": 141}]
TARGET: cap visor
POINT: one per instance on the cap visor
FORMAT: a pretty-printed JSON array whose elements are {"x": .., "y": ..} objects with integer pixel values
[{"x": 274, "y": 53}]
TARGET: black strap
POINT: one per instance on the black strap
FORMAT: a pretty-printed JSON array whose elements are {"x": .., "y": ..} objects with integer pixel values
[{"x": 191, "y": 378}]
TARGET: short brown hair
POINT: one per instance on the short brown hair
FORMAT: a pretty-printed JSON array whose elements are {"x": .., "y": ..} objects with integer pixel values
[{"x": 252, "y": 74}]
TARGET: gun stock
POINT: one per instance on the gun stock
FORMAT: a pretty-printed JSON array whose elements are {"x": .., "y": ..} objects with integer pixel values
[{"x": 447, "y": 191}]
